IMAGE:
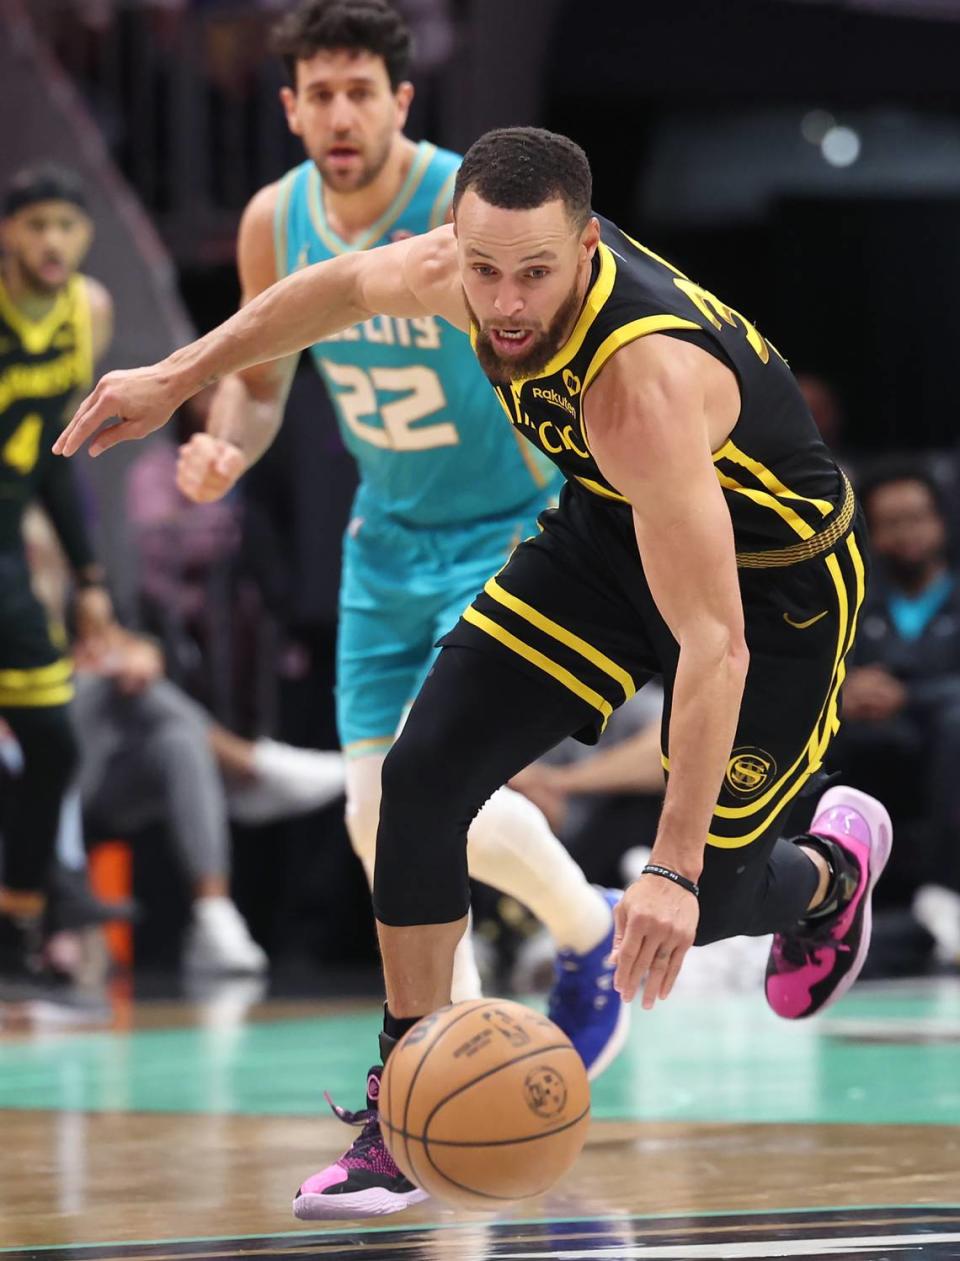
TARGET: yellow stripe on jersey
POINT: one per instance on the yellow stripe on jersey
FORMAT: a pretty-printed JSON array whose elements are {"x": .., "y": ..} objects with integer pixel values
[
  {"x": 597, "y": 296},
  {"x": 36, "y": 335},
  {"x": 38, "y": 686},
  {"x": 542, "y": 662},
  {"x": 602, "y": 491},
  {"x": 766, "y": 477},
  {"x": 45, "y": 697},
  {"x": 562, "y": 635},
  {"x": 36, "y": 676},
  {"x": 825, "y": 540},
  {"x": 765, "y": 500},
  {"x": 629, "y": 333},
  {"x": 827, "y": 722}
]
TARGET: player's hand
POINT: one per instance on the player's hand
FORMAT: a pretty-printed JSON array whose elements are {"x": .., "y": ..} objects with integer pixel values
[
  {"x": 655, "y": 923},
  {"x": 208, "y": 467},
  {"x": 143, "y": 399},
  {"x": 95, "y": 621}
]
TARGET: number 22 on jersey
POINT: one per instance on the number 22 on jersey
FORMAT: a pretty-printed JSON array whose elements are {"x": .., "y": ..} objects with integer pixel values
[{"x": 356, "y": 395}]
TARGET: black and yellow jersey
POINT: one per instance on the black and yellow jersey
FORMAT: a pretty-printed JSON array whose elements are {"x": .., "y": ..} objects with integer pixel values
[
  {"x": 42, "y": 364},
  {"x": 787, "y": 497}
]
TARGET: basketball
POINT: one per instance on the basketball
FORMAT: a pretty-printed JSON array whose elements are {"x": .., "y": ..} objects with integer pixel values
[{"x": 484, "y": 1102}]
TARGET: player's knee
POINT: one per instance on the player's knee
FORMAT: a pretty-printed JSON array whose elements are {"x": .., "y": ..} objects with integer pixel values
[{"x": 413, "y": 773}]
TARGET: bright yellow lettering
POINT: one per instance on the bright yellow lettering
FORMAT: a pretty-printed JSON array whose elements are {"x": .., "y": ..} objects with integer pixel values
[
  {"x": 554, "y": 450},
  {"x": 714, "y": 310},
  {"x": 566, "y": 437}
]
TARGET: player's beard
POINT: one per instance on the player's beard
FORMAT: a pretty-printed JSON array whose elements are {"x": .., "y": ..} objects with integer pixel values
[
  {"x": 370, "y": 167},
  {"x": 36, "y": 282},
  {"x": 501, "y": 371}
]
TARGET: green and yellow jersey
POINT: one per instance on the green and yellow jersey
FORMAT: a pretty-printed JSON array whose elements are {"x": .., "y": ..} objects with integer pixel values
[{"x": 43, "y": 363}]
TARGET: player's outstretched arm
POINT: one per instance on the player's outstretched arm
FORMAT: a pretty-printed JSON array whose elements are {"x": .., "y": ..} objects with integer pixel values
[
  {"x": 410, "y": 278},
  {"x": 246, "y": 410}
]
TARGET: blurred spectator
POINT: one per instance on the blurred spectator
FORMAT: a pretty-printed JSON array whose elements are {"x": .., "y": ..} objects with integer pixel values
[
  {"x": 829, "y": 416},
  {"x": 193, "y": 597},
  {"x": 901, "y": 700},
  {"x": 150, "y": 755}
]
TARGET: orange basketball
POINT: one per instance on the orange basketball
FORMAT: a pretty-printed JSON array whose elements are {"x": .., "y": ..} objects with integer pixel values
[{"x": 484, "y": 1102}]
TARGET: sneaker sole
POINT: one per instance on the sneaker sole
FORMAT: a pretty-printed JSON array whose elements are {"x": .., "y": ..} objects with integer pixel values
[
  {"x": 374, "y": 1202},
  {"x": 621, "y": 1030},
  {"x": 881, "y": 842},
  {"x": 617, "y": 1042}
]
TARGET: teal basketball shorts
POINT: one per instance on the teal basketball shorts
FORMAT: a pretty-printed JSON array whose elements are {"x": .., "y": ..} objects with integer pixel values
[{"x": 401, "y": 588}]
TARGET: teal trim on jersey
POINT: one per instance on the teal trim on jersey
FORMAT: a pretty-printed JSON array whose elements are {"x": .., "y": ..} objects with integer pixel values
[{"x": 433, "y": 446}]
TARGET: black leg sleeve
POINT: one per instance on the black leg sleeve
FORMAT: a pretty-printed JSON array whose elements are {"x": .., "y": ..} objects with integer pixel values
[
  {"x": 476, "y": 722},
  {"x": 31, "y": 801}
]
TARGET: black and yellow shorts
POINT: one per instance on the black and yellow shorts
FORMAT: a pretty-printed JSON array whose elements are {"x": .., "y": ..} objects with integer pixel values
[
  {"x": 573, "y": 605},
  {"x": 34, "y": 669}
]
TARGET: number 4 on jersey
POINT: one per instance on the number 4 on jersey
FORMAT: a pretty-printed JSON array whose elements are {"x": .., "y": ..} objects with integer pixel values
[{"x": 22, "y": 448}]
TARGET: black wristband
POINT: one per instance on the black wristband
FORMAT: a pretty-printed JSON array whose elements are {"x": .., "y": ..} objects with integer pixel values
[{"x": 652, "y": 869}]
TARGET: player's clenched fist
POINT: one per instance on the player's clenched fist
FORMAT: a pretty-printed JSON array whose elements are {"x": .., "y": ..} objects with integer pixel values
[{"x": 208, "y": 467}]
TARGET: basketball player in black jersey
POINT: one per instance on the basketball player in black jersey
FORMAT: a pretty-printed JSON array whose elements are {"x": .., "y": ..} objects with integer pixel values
[
  {"x": 704, "y": 535},
  {"x": 54, "y": 325}
]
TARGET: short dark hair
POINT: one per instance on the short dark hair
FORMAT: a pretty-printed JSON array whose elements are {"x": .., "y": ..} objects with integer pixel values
[
  {"x": 519, "y": 168},
  {"x": 370, "y": 26},
  {"x": 46, "y": 181},
  {"x": 892, "y": 469}
]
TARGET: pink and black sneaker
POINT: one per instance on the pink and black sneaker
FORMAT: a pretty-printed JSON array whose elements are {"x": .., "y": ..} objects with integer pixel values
[
  {"x": 816, "y": 963},
  {"x": 364, "y": 1182}
]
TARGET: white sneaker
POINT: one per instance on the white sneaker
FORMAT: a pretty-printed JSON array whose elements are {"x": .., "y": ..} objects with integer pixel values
[
  {"x": 287, "y": 782},
  {"x": 938, "y": 910},
  {"x": 218, "y": 941}
]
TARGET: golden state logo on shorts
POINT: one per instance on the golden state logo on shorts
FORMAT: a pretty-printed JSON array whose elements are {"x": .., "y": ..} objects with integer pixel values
[{"x": 749, "y": 770}]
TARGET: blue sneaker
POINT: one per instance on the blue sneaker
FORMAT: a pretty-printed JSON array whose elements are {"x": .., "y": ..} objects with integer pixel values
[{"x": 585, "y": 1005}]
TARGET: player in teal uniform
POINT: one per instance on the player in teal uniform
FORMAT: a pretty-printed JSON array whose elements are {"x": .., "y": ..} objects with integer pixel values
[{"x": 447, "y": 491}]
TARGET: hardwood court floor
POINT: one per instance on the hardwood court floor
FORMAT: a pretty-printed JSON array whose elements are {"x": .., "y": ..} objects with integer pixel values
[{"x": 197, "y": 1122}]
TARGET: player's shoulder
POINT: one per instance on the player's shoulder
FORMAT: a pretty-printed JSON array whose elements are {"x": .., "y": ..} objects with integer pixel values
[
  {"x": 260, "y": 211},
  {"x": 99, "y": 298},
  {"x": 434, "y": 255}
]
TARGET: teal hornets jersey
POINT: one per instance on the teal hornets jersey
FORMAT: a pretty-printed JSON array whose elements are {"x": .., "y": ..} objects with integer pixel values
[{"x": 431, "y": 441}]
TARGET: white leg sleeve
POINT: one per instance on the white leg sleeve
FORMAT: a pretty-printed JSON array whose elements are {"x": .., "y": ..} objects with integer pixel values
[
  {"x": 363, "y": 816},
  {"x": 511, "y": 847}
]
